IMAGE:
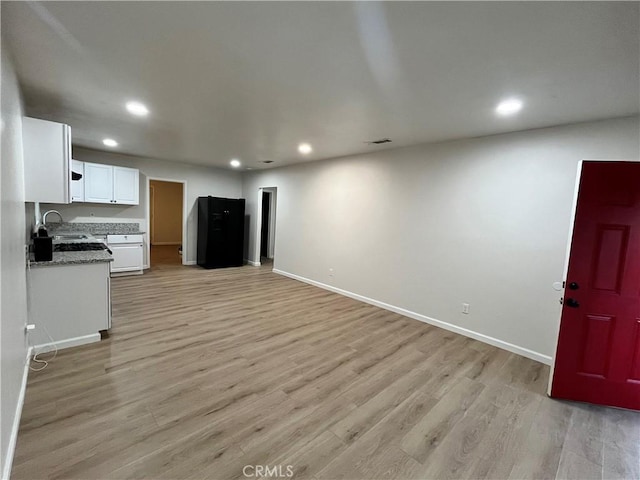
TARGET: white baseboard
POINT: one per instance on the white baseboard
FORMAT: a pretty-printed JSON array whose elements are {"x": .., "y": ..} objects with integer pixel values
[
  {"x": 190, "y": 262},
  {"x": 255, "y": 264},
  {"x": 70, "y": 342},
  {"x": 525, "y": 352},
  {"x": 13, "y": 438},
  {"x": 127, "y": 274}
]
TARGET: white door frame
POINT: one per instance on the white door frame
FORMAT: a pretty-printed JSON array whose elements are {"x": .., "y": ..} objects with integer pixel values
[
  {"x": 151, "y": 213},
  {"x": 272, "y": 231},
  {"x": 184, "y": 218},
  {"x": 565, "y": 270}
]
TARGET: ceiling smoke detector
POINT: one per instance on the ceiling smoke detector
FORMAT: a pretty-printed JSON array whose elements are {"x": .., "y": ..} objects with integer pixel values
[{"x": 379, "y": 142}]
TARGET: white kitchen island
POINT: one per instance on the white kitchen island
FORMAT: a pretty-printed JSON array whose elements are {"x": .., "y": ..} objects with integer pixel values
[{"x": 69, "y": 299}]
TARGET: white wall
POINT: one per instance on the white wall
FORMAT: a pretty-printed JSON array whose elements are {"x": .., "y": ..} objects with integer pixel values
[
  {"x": 13, "y": 310},
  {"x": 483, "y": 221},
  {"x": 201, "y": 181}
]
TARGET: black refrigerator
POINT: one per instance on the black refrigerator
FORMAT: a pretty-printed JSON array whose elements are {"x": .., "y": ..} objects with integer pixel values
[{"x": 220, "y": 232}]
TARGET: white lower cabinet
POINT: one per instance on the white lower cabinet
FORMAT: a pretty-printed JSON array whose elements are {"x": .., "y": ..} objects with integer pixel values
[
  {"x": 69, "y": 304},
  {"x": 127, "y": 254}
]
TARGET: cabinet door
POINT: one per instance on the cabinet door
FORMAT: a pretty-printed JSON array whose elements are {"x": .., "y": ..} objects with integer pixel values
[
  {"x": 77, "y": 186},
  {"x": 47, "y": 161},
  {"x": 126, "y": 257},
  {"x": 98, "y": 183},
  {"x": 125, "y": 186}
]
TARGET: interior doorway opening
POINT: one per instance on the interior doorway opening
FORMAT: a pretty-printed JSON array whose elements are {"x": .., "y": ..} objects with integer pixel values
[
  {"x": 166, "y": 223},
  {"x": 266, "y": 226}
]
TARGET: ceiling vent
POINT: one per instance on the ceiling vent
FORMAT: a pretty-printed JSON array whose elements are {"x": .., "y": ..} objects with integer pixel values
[
  {"x": 267, "y": 161},
  {"x": 379, "y": 142}
]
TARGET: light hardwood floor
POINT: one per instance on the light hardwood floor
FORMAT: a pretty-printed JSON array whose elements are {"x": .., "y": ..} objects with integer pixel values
[
  {"x": 165, "y": 255},
  {"x": 207, "y": 371}
]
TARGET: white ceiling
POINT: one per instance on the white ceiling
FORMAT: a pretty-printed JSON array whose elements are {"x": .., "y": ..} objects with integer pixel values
[{"x": 252, "y": 80}]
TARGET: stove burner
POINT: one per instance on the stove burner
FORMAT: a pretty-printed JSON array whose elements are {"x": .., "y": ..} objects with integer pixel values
[{"x": 78, "y": 247}]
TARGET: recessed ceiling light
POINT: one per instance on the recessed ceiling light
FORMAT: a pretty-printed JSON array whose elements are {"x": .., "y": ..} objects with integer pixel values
[
  {"x": 509, "y": 107},
  {"x": 110, "y": 142},
  {"x": 305, "y": 148},
  {"x": 137, "y": 108},
  {"x": 235, "y": 163}
]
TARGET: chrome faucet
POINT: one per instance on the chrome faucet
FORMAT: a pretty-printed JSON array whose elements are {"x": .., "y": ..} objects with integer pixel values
[{"x": 44, "y": 216}]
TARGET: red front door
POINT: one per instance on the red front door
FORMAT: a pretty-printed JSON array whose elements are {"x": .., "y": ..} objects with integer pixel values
[{"x": 598, "y": 355}]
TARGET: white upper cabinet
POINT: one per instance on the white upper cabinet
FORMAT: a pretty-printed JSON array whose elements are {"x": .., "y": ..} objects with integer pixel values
[
  {"x": 126, "y": 186},
  {"x": 47, "y": 161},
  {"x": 77, "y": 186},
  {"x": 98, "y": 183},
  {"x": 109, "y": 184}
]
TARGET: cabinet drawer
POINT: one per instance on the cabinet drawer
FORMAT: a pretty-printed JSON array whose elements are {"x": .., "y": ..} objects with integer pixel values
[{"x": 115, "y": 239}]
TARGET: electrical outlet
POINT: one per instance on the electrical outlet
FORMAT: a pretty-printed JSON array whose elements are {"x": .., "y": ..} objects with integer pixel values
[
  {"x": 465, "y": 308},
  {"x": 331, "y": 272}
]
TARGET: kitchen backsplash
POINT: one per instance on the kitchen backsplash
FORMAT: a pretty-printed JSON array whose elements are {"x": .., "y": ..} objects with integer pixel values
[{"x": 95, "y": 228}]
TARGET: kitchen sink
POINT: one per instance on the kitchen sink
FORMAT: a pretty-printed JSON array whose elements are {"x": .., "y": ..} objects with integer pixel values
[{"x": 71, "y": 236}]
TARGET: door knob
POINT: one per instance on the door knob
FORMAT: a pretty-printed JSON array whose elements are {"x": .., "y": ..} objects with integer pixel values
[
  {"x": 574, "y": 286},
  {"x": 572, "y": 302}
]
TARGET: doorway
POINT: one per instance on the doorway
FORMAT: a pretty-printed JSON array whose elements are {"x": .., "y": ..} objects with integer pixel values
[
  {"x": 598, "y": 353},
  {"x": 266, "y": 225},
  {"x": 264, "y": 234},
  {"x": 166, "y": 223}
]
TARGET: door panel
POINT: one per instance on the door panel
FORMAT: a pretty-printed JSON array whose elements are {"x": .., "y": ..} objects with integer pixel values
[
  {"x": 125, "y": 186},
  {"x": 597, "y": 355},
  {"x": 609, "y": 257},
  {"x": 236, "y": 232},
  {"x": 634, "y": 375},
  {"x": 126, "y": 258},
  {"x": 98, "y": 183},
  {"x": 596, "y": 346},
  {"x": 217, "y": 247}
]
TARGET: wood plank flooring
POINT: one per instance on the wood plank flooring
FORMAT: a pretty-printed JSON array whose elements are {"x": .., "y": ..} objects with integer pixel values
[
  {"x": 163, "y": 255},
  {"x": 208, "y": 371}
]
